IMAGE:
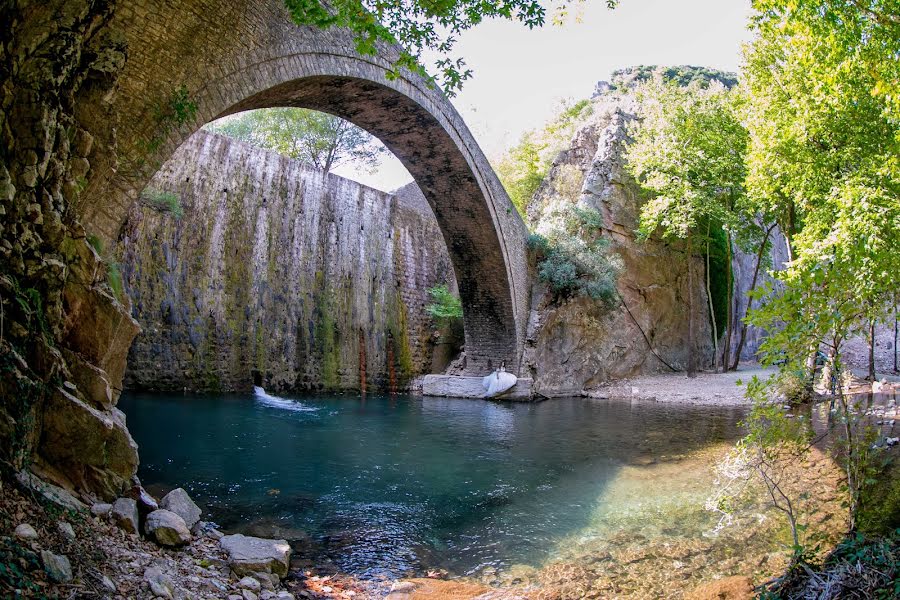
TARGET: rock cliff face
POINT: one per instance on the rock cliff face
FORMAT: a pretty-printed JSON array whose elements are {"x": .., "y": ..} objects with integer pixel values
[
  {"x": 278, "y": 274},
  {"x": 578, "y": 344},
  {"x": 65, "y": 334}
]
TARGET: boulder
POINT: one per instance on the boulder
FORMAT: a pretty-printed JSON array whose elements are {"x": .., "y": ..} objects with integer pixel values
[
  {"x": 247, "y": 555},
  {"x": 167, "y": 528},
  {"x": 50, "y": 492},
  {"x": 146, "y": 503},
  {"x": 101, "y": 509},
  {"x": 124, "y": 513},
  {"x": 91, "y": 448},
  {"x": 26, "y": 532},
  {"x": 181, "y": 504},
  {"x": 58, "y": 567},
  {"x": 66, "y": 530}
]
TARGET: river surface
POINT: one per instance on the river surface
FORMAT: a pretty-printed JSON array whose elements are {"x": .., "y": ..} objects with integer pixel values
[{"x": 395, "y": 486}]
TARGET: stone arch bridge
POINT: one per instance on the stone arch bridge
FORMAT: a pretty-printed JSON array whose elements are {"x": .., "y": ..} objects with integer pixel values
[{"x": 234, "y": 56}]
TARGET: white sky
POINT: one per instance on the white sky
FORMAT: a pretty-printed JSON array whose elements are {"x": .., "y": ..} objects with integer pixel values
[{"x": 520, "y": 76}]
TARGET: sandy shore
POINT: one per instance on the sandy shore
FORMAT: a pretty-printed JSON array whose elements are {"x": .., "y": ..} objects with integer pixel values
[{"x": 719, "y": 389}]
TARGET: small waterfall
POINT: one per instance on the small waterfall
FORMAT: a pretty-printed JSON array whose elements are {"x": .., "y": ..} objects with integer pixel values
[{"x": 277, "y": 402}]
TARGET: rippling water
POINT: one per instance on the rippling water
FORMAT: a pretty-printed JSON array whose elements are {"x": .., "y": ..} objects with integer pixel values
[{"x": 396, "y": 485}]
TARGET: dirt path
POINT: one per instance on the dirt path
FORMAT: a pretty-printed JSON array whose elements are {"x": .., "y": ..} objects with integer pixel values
[{"x": 720, "y": 389}]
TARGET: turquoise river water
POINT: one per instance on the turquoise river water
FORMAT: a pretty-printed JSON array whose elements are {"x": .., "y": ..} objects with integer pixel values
[{"x": 394, "y": 486}]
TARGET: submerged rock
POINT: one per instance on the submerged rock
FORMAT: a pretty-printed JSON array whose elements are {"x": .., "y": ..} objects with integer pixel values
[
  {"x": 167, "y": 528},
  {"x": 178, "y": 502},
  {"x": 737, "y": 587},
  {"x": 247, "y": 555}
]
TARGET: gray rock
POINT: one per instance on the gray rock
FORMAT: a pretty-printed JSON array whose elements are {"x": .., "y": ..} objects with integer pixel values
[
  {"x": 161, "y": 585},
  {"x": 66, "y": 530},
  {"x": 249, "y": 554},
  {"x": 267, "y": 580},
  {"x": 248, "y": 583},
  {"x": 26, "y": 532},
  {"x": 58, "y": 567},
  {"x": 178, "y": 502},
  {"x": 145, "y": 502},
  {"x": 108, "y": 584},
  {"x": 53, "y": 493},
  {"x": 248, "y": 595},
  {"x": 167, "y": 528},
  {"x": 101, "y": 510},
  {"x": 124, "y": 513},
  {"x": 285, "y": 595}
]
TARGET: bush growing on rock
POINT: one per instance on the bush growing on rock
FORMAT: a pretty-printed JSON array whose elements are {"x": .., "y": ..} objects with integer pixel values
[{"x": 574, "y": 260}]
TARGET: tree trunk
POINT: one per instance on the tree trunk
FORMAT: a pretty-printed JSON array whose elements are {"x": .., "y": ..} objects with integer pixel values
[
  {"x": 872, "y": 350},
  {"x": 692, "y": 347},
  {"x": 712, "y": 308},
  {"x": 743, "y": 337},
  {"x": 895, "y": 333},
  {"x": 729, "y": 313}
]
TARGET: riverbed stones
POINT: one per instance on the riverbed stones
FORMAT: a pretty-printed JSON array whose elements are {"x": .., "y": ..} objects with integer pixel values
[
  {"x": 247, "y": 554},
  {"x": 124, "y": 513},
  {"x": 737, "y": 587},
  {"x": 57, "y": 566},
  {"x": 167, "y": 528},
  {"x": 26, "y": 532},
  {"x": 178, "y": 502}
]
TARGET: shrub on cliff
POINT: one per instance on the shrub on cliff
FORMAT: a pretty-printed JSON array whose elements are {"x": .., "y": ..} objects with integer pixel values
[{"x": 572, "y": 257}]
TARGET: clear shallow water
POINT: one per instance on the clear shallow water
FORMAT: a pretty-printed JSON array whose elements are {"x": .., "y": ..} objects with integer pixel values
[{"x": 397, "y": 485}]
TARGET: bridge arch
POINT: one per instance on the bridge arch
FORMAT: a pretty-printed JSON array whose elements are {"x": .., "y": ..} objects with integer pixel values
[{"x": 243, "y": 55}]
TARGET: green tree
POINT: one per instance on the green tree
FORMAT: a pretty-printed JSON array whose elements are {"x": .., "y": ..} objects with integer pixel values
[
  {"x": 524, "y": 167},
  {"x": 821, "y": 83},
  {"x": 688, "y": 152},
  {"x": 445, "y": 306},
  {"x": 317, "y": 138},
  {"x": 420, "y": 26}
]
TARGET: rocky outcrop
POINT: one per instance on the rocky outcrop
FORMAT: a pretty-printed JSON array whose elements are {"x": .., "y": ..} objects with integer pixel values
[
  {"x": 65, "y": 333},
  {"x": 577, "y": 344},
  {"x": 279, "y": 273}
]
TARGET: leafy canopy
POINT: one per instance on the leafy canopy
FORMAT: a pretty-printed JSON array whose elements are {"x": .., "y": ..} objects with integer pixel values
[
  {"x": 320, "y": 139},
  {"x": 688, "y": 151},
  {"x": 420, "y": 26},
  {"x": 821, "y": 83}
]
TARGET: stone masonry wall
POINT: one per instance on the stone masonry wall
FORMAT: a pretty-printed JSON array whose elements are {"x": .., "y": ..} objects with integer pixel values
[{"x": 278, "y": 270}]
